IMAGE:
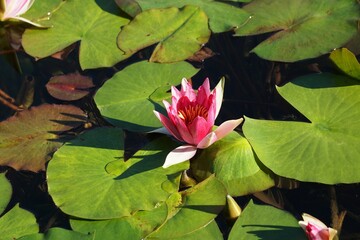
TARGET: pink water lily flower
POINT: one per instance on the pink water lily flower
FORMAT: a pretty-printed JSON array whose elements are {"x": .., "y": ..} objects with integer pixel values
[
  {"x": 191, "y": 117},
  {"x": 12, "y": 9},
  {"x": 316, "y": 230}
]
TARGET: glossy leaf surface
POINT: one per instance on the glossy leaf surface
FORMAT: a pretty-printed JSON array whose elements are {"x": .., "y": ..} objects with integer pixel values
[
  {"x": 91, "y": 28},
  {"x": 88, "y": 177},
  {"x": 302, "y": 28},
  {"x": 179, "y": 33},
  {"x": 215, "y": 10},
  {"x": 233, "y": 162},
  {"x": 128, "y": 99}
]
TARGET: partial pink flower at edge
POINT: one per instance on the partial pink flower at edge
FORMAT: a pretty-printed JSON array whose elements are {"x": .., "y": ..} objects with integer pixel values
[
  {"x": 12, "y": 9},
  {"x": 191, "y": 117},
  {"x": 317, "y": 230}
]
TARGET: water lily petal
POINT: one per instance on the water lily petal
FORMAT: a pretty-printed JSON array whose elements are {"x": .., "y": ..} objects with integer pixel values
[
  {"x": 203, "y": 93},
  {"x": 175, "y": 93},
  {"x": 224, "y": 129},
  {"x": 308, "y": 218},
  {"x": 199, "y": 128},
  {"x": 14, "y": 8},
  {"x": 183, "y": 130},
  {"x": 187, "y": 90},
  {"x": 168, "y": 125},
  {"x": 315, "y": 229},
  {"x": 219, "y": 93},
  {"x": 179, "y": 155}
]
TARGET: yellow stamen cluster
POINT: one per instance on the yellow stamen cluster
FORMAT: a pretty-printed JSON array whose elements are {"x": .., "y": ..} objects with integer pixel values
[{"x": 189, "y": 113}]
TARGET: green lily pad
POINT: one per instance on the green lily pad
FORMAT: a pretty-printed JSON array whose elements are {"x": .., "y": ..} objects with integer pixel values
[
  {"x": 180, "y": 33},
  {"x": 128, "y": 99},
  {"x": 137, "y": 226},
  {"x": 266, "y": 222},
  {"x": 198, "y": 207},
  {"x": 324, "y": 150},
  {"x": 59, "y": 234},
  {"x": 95, "y": 26},
  {"x": 209, "y": 232},
  {"x": 17, "y": 223},
  {"x": 34, "y": 134},
  {"x": 234, "y": 164},
  {"x": 215, "y": 10},
  {"x": 5, "y": 191},
  {"x": 303, "y": 28},
  {"x": 346, "y": 61},
  {"x": 88, "y": 177}
]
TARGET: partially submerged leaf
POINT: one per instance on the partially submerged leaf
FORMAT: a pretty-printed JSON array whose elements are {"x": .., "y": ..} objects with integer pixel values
[
  {"x": 323, "y": 150},
  {"x": 5, "y": 192},
  {"x": 222, "y": 17},
  {"x": 69, "y": 87},
  {"x": 96, "y": 28},
  {"x": 266, "y": 222},
  {"x": 34, "y": 134},
  {"x": 302, "y": 28},
  {"x": 346, "y": 61},
  {"x": 178, "y": 32}
]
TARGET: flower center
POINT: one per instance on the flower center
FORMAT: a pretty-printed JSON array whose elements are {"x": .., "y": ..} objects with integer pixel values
[{"x": 190, "y": 112}]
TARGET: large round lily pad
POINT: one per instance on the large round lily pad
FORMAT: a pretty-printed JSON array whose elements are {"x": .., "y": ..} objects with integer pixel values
[
  {"x": 233, "y": 162},
  {"x": 128, "y": 99},
  {"x": 34, "y": 134},
  {"x": 324, "y": 150},
  {"x": 88, "y": 177},
  {"x": 303, "y": 28},
  {"x": 95, "y": 26}
]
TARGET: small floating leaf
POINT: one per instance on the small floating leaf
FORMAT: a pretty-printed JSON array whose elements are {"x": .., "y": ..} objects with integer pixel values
[{"x": 69, "y": 87}]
